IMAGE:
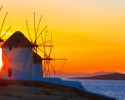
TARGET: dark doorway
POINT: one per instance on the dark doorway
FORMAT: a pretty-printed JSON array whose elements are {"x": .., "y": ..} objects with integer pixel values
[{"x": 9, "y": 72}]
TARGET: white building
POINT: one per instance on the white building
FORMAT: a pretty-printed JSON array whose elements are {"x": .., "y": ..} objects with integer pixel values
[{"x": 20, "y": 62}]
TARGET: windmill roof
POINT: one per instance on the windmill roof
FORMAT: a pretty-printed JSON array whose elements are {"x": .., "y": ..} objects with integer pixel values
[{"x": 17, "y": 40}]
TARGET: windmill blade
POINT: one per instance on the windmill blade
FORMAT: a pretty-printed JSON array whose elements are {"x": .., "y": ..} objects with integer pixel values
[
  {"x": 34, "y": 24},
  {"x": 48, "y": 58},
  {"x": 43, "y": 51},
  {"x": 50, "y": 51},
  {"x": 43, "y": 43},
  {"x": 3, "y": 23},
  {"x": 52, "y": 67},
  {"x": 41, "y": 32},
  {"x": 28, "y": 31},
  {"x": 45, "y": 65},
  {"x": 50, "y": 47},
  {"x": 45, "y": 62},
  {"x": 47, "y": 73},
  {"x": 44, "y": 68},
  {"x": 6, "y": 32},
  {"x": 38, "y": 24},
  {"x": 1, "y": 8},
  {"x": 48, "y": 69},
  {"x": 51, "y": 44}
]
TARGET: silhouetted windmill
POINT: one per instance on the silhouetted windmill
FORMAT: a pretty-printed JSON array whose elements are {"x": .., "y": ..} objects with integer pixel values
[
  {"x": 37, "y": 34},
  {"x": 41, "y": 47},
  {"x": 48, "y": 59},
  {"x": 1, "y": 30}
]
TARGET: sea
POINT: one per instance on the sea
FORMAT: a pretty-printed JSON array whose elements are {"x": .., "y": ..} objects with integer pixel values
[{"x": 112, "y": 88}]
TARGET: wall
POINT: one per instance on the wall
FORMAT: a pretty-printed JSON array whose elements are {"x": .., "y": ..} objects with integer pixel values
[{"x": 21, "y": 63}]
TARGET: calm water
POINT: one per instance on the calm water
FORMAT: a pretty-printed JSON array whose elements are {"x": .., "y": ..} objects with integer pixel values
[{"x": 111, "y": 88}]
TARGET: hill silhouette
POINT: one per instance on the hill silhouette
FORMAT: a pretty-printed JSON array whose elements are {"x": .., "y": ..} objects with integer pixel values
[{"x": 111, "y": 76}]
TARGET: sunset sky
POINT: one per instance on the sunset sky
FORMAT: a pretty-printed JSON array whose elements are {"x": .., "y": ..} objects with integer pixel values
[{"x": 89, "y": 33}]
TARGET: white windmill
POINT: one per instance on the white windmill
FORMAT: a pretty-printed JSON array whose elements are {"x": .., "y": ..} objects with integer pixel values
[{"x": 26, "y": 64}]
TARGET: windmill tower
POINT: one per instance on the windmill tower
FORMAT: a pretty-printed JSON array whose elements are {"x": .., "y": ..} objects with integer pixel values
[{"x": 19, "y": 49}]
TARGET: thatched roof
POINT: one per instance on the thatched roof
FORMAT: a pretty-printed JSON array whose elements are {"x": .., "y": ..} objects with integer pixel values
[{"x": 17, "y": 40}]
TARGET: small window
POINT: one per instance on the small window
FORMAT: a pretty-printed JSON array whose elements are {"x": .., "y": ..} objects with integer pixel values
[{"x": 9, "y": 72}]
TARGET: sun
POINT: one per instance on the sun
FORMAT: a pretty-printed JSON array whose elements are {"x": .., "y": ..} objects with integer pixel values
[{"x": 1, "y": 61}]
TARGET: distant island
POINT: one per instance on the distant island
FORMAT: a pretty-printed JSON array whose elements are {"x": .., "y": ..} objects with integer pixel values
[{"x": 110, "y": 76}]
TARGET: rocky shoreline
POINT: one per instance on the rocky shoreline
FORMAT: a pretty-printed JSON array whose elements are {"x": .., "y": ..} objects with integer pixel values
[{"x": 35, "y": 90}]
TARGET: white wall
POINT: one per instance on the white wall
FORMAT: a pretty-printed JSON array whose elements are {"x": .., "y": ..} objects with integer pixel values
[
  {"x": 37, "y": 70},
  {"x": 22, "y": 64}
]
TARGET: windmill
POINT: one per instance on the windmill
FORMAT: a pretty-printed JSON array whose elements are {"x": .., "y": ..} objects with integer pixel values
[
  {"x": 42, "y": 47},
  {"x": 2, "y": 35},
  {"x": 1, "y": 28}
]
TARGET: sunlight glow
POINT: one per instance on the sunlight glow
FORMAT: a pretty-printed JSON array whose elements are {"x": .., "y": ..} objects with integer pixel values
[
  {"x": 1, "y": 62},
  {"x": 89, "y": 33}
]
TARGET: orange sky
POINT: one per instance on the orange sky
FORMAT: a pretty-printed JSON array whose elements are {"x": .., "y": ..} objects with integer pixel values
[{"x": 89, "y": 33}]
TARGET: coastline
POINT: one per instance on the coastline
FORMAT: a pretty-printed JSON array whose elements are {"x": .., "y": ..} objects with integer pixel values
[{"x": 35, "y": 90}]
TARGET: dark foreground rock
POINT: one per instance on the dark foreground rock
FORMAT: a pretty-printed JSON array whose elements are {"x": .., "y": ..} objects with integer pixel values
[{"x": 34, "y": 90}]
